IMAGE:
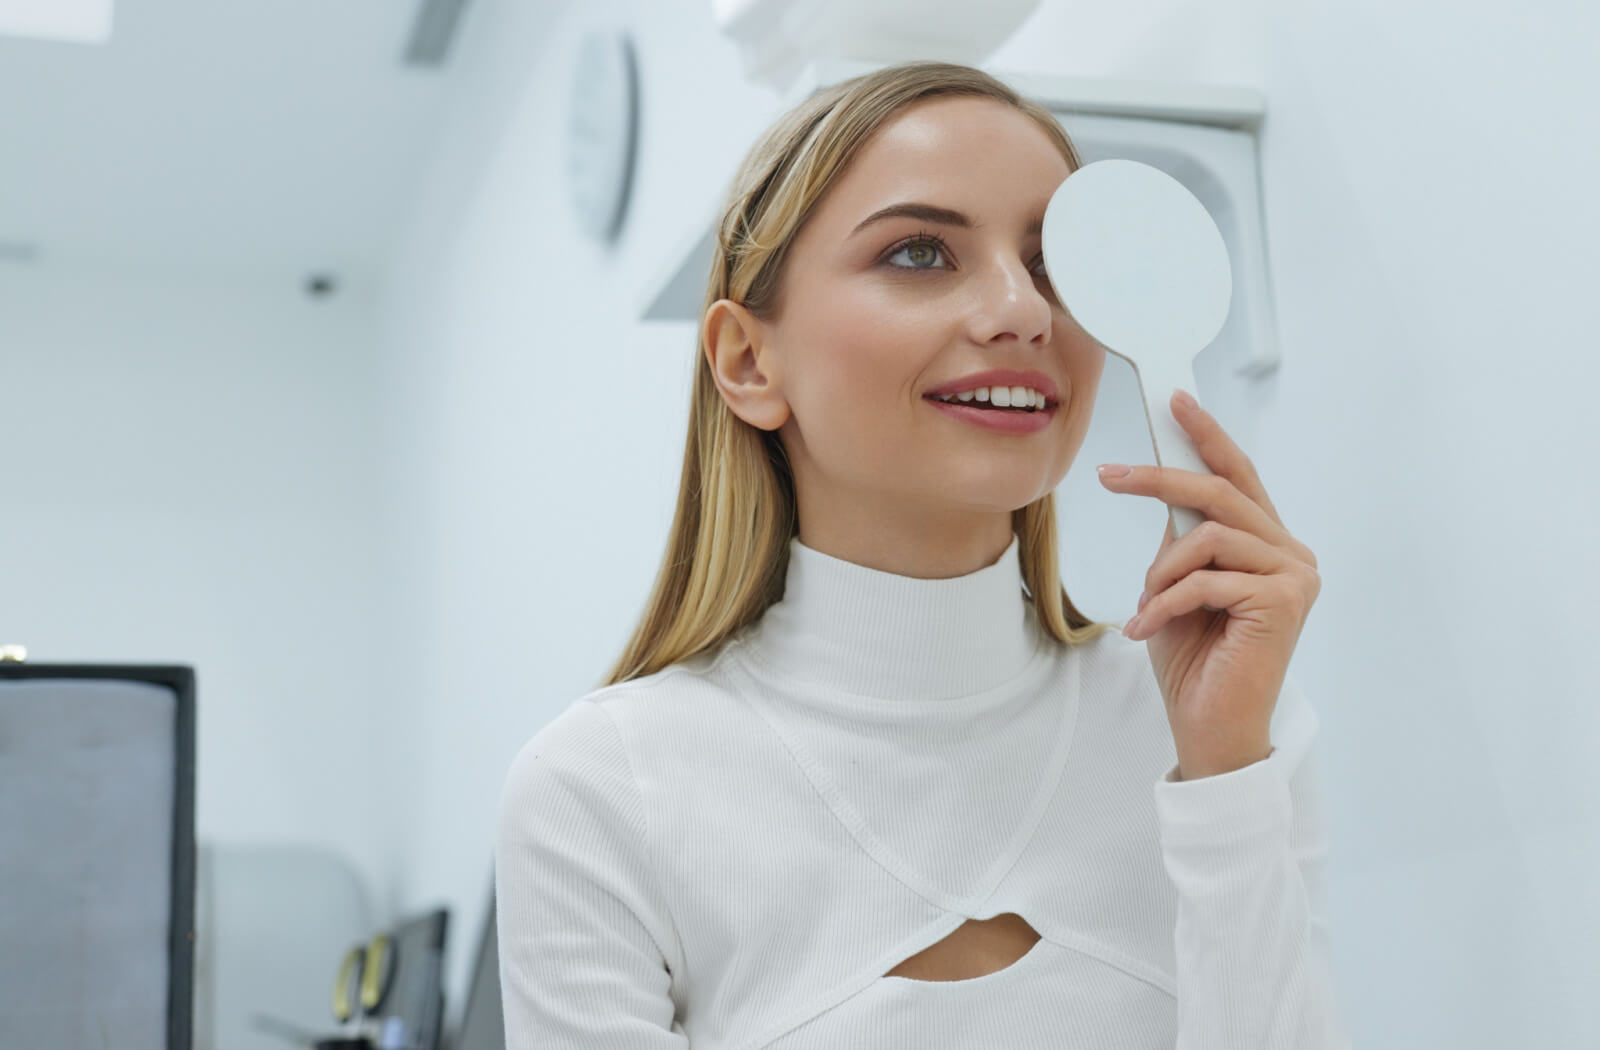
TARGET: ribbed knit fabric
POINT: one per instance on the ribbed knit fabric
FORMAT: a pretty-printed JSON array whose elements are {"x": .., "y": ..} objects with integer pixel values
[{"x": 732, "y": 852}]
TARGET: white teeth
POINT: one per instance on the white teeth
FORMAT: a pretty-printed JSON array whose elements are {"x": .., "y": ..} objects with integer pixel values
[{"x": 1000, "y": 396}]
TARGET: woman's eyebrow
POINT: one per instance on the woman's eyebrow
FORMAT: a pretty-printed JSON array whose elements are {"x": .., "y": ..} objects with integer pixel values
[{"x": 927, "y": 213}]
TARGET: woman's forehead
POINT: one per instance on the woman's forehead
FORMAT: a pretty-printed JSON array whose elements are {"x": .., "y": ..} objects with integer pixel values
[{"x": 981, "y": 157}]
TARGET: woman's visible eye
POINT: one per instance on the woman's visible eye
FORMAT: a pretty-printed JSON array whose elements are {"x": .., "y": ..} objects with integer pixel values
[{"x": 923, "y": 247}]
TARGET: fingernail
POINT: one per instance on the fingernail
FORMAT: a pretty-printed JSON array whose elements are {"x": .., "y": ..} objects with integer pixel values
[
  {"x": 1142, "y": 599},
  {"x": 1186, "y": 399},
  {"x": 1114, "y": 470}
]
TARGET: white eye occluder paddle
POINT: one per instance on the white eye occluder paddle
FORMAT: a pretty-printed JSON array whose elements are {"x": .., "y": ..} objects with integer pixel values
[{"x": 1141, "y": 266}]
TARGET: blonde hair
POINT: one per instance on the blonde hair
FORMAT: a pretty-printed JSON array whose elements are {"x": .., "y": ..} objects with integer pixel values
[{"x": 727, "y": 552}]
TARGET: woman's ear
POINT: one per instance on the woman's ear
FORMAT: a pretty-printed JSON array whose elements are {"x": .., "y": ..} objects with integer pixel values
[{"x": 745, "y": 365}]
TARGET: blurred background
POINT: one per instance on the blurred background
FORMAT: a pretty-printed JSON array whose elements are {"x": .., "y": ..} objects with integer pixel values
[{"x": 315, "y": 377}]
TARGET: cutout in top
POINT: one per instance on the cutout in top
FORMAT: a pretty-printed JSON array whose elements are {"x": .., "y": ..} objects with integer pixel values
[{"x": 975, "y": 948}]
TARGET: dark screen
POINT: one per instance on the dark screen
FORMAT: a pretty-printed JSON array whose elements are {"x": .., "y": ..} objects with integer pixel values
[
  {"x": 483, "y": 1025},
  {"x": 414, "y": 1007}
]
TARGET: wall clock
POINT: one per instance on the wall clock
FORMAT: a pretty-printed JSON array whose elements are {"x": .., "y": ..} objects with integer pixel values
[{"x": 602, "y": 131}]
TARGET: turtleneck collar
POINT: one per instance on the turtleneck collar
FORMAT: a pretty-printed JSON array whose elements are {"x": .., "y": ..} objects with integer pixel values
[{"x": 847, "y": 628}]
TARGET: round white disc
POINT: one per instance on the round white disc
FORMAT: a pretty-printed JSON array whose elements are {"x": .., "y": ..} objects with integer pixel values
[{"x": 1137, "y": 260}]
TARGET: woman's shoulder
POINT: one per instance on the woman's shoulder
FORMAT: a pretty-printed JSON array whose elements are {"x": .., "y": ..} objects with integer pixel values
[
  {"x": 580, "y": 745},
  {"x": 684, "y": 689},
  {"x": 602, "y": 726}
]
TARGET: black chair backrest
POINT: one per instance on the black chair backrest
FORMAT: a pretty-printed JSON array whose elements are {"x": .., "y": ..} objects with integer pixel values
[{"x": 97, "y": 857}]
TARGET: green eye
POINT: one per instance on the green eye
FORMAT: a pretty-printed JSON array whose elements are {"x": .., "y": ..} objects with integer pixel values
[
  {"x": 924, "y": 248},
  {"x": 920, "y": 255}
]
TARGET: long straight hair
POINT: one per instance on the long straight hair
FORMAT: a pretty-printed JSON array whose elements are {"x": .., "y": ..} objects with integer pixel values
[{"x": 727, "y": 552}]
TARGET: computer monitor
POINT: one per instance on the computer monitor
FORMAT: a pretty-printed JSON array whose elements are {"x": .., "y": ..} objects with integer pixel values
[
  {"x": 413, "y": 1010},
  {"x": 483, "y": 1021}
]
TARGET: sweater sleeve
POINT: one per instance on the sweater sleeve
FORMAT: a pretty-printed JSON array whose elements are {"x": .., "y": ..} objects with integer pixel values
[
  {"x": 1247, "y": 851},
  {"x": 585, "y": 935}
]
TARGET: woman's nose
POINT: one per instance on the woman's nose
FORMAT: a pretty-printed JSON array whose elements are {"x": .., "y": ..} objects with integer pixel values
[{"x": 1011, "y": 302}]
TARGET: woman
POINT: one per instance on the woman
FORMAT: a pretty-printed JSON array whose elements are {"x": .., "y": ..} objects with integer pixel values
[{"x": 864, "y": 776}]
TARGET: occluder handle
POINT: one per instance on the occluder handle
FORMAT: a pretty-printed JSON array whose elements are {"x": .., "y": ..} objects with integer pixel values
[{"x": 1173, "y": 447}]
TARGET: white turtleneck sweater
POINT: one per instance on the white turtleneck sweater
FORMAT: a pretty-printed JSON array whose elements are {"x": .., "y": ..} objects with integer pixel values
[{"x": 731, "y": 853}]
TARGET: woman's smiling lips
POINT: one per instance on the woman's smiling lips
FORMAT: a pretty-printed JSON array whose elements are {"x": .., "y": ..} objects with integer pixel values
[
  {"x": 1007, "y": 421},
  {"x": 1001, "y": 377}
]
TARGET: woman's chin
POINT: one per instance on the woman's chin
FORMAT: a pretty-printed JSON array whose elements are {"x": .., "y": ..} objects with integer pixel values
[{"x": 993, "y": 494}]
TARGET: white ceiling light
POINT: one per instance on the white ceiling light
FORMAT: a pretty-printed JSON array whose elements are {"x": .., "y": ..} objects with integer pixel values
[
  {"x": 780, "y": 37},
  {"x": 75, "y": 21}
]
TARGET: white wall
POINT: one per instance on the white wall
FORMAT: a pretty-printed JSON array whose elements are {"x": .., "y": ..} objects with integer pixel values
[
  {"x": 541, "y": 427},
  {"x": 191, "y": 477},
  {"x": 1425, "y": 171}
]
